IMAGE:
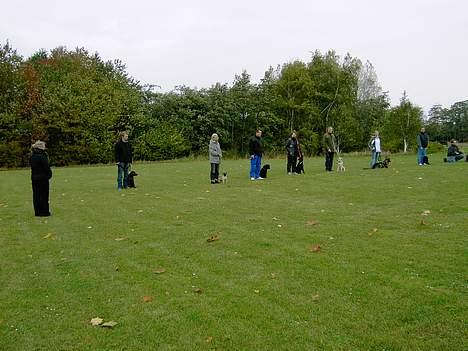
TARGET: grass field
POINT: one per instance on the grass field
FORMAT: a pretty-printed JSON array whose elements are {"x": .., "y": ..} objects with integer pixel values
[{"x": 388, "y": 275}]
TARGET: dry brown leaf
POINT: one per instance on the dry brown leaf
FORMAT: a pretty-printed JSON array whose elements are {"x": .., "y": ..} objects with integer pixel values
[
  {"x": 147, "y": 298},
  {"x": 422, "y": 222},
  {"x": 213, "y": 238},
  {"x": 48, "y": 236},
  {"x": 159, "y": 270},
  {"x": 209, "y": 339},
  {"x": 198, "y": 291},
  {"x": 273, "y": 275},
  {"x": 316, "y": 248},
  {"x": 373, "y": 231},
  {"x": 315, "y": 297},
  {"x": 109, "y": 324},
  {"x": 96, "y": 321},
  {"x": 119, "y": 239},
  {"x": 312, "y": 222}
]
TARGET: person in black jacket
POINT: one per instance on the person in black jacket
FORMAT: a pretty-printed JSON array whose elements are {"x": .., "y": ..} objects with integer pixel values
[
  {"x": 255, "y": 152},
  {"x": 453, "y": 153},
  {"x": 292, "y": 147},
  {"x": 40, "y": 175},
  {"x": 123, "y": 157}
]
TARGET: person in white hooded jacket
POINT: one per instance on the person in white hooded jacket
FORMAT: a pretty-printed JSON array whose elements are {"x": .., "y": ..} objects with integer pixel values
[
  {"x": 375, "y": 146},
  {"x": 215, "y": 155}
]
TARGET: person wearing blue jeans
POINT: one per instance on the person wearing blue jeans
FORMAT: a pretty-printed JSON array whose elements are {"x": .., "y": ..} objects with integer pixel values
[
  {"x": 255, "y": 152},
  {"x": 123, "y": 157},
  {"x": 423, "y": 141}
]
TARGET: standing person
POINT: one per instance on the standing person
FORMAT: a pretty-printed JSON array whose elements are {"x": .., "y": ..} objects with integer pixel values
[
  {"x": 215, "y": 155},
  {"x": 256, "y": 152},
  {"x": 292, "y": 146},
  {"x": 374, "y": 145},
  {"x": 40, "y": 175},
  {"x": 123, "y": 157},
  {"x": 329, "y": 147},
  {"x": 423, "y": 140}
]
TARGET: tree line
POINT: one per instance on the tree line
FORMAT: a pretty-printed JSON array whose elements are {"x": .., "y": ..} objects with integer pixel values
[{"x": 77, "y": 102}]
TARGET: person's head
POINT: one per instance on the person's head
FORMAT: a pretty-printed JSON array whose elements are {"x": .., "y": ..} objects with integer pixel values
[
  {"x": 423, "y": 130},
  {"x": 214, "y": 137},
  {"x": 376, "y": 133},
  {"x": 330, "y": 130},
  {"x": 124, "y": 136},
  {"x": 38, "y": 146},
  {"x": 293, "y": 135},
  {"x": 258, "y": 133},
  {"x": 453, "y": 141}
]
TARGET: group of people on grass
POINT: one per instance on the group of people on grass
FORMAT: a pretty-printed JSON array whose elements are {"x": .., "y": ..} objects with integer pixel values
[{"x": 41, "y": 172}]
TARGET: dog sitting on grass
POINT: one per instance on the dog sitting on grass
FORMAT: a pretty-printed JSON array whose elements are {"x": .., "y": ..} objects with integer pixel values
[
  {"x": 131, "y": 179},
  {"x": 382, "y": 164},
  {"x": 264, "y": 170},
  {"x": 224, "y": 178}
]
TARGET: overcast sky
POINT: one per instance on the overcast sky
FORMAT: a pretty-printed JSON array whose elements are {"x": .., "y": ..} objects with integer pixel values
[{"x": 420, "y": 46}]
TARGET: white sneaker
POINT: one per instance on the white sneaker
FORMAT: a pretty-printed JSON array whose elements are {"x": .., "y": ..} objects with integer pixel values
[
  {"x": 289, "y": 173},
  {"x": 252, "y": 178},
  {"x": 259, "y": 178}
]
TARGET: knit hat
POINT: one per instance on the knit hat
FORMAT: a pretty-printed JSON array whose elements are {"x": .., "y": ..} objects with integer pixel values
[{"x": 39, "y": 145}]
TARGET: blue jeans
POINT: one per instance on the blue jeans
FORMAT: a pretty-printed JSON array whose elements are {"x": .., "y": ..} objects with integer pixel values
[
  {"x": 122, "y": 175},
  {"x": 375, "y": 158},
  {"x": 255, "y": 165},
  {"x": 421, "y": 153}
]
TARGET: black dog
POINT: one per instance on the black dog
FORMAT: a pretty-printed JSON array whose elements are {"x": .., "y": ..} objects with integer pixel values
[
  {"x": 382, "y": 164},
  {"x": 131, "y": 180},
  {"x": 425, "y": 160},
  {"x": 264, "y": 170},
  {"x": 300, "y": 167}
]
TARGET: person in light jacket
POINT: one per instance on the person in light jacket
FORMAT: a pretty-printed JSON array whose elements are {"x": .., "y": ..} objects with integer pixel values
[
  {"x": 375, "y": 147},
  {"x": 215, "y": 155}
]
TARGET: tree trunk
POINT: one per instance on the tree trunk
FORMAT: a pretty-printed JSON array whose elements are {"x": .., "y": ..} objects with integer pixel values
[{"x": 405, "y": 145}]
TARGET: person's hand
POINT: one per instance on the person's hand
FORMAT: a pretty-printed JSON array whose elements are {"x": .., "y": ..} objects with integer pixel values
[
  {"x": 329, "y": 150},
  {"x": 251, "y": 157}
]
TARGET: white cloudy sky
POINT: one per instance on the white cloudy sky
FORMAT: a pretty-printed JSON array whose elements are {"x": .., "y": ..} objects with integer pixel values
[{"x": 420, "y": 46}]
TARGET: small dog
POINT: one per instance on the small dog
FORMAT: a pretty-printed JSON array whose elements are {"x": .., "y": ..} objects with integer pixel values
[
  {"x": 264, "y": 170},
  {"x": 300, "y": 167},
  {"x": 382, "y": 164},
  {"x": 224, "y": 178},
  {"x": 425, "y": 160},
  {"x": 131, "y": 179},
  {"x": 340, "y": 167}
]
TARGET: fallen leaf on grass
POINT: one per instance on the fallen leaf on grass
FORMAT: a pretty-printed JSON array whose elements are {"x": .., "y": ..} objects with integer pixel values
[
  {"x": 213, "y": 238},
  {"x": 275, "y": 219},
  {"x": 315, "y": 297},
  {"x": 257, "y": 291},
  {"x": 422, "y": 222},
  {"x": 147, "y": 298},
  {"x": 198, "y": 291},
  {"x": 312, "y": 222},
  {"x": 209, "y": 339},
  {"x": 48, "y": 236},
  {"x": 426, "y": 213},
  {"x": 273, "y": 275},
  {"x": 96, "y": 321},
  {"x": 140, "y": 211},
  {"x": 279, "y": 226},
  {"x": 316, "y": 248},
  {"x": 373, "y": 231},
  {"x": 160, "y": 270},
  {"x": 109, "y": 324},
  {"x": 119, "y": 239}
]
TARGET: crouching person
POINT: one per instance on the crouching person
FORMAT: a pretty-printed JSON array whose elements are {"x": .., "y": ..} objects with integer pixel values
[{"x": 453, "y": 153}]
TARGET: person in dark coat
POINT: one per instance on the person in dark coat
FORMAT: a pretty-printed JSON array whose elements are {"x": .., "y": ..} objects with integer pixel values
[
  {"x": 422, "y": 139},
  {"x": 292, "y": 147},
  {"x": 256, "y": 152},
  {"x": 453, "y": 153},
  {"x": 40, "y": 175},
  {"x": 123, "y": 157}
]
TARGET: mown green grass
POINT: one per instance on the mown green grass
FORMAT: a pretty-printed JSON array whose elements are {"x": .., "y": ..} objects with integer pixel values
[{"x": 402, "y": 287}]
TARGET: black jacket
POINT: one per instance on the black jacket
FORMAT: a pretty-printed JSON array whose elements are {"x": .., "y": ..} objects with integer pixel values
[
  {"x": 292, "y": 145},
  {"x": 422, "y": 139},
  {"x": 123, "y": 152},
  {"x": 40, "y": 168},
  {"x": 453, "y": 150},
  {"x": 255, "y": 146}
]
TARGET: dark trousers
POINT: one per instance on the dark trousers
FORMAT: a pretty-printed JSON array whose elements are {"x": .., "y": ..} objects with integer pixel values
[
  {"x": 291, "y": 166},
  {"x": 214, "y": 175},
  {"x": 329, "y": 160},
  {"x": 41, "y": 197}
]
